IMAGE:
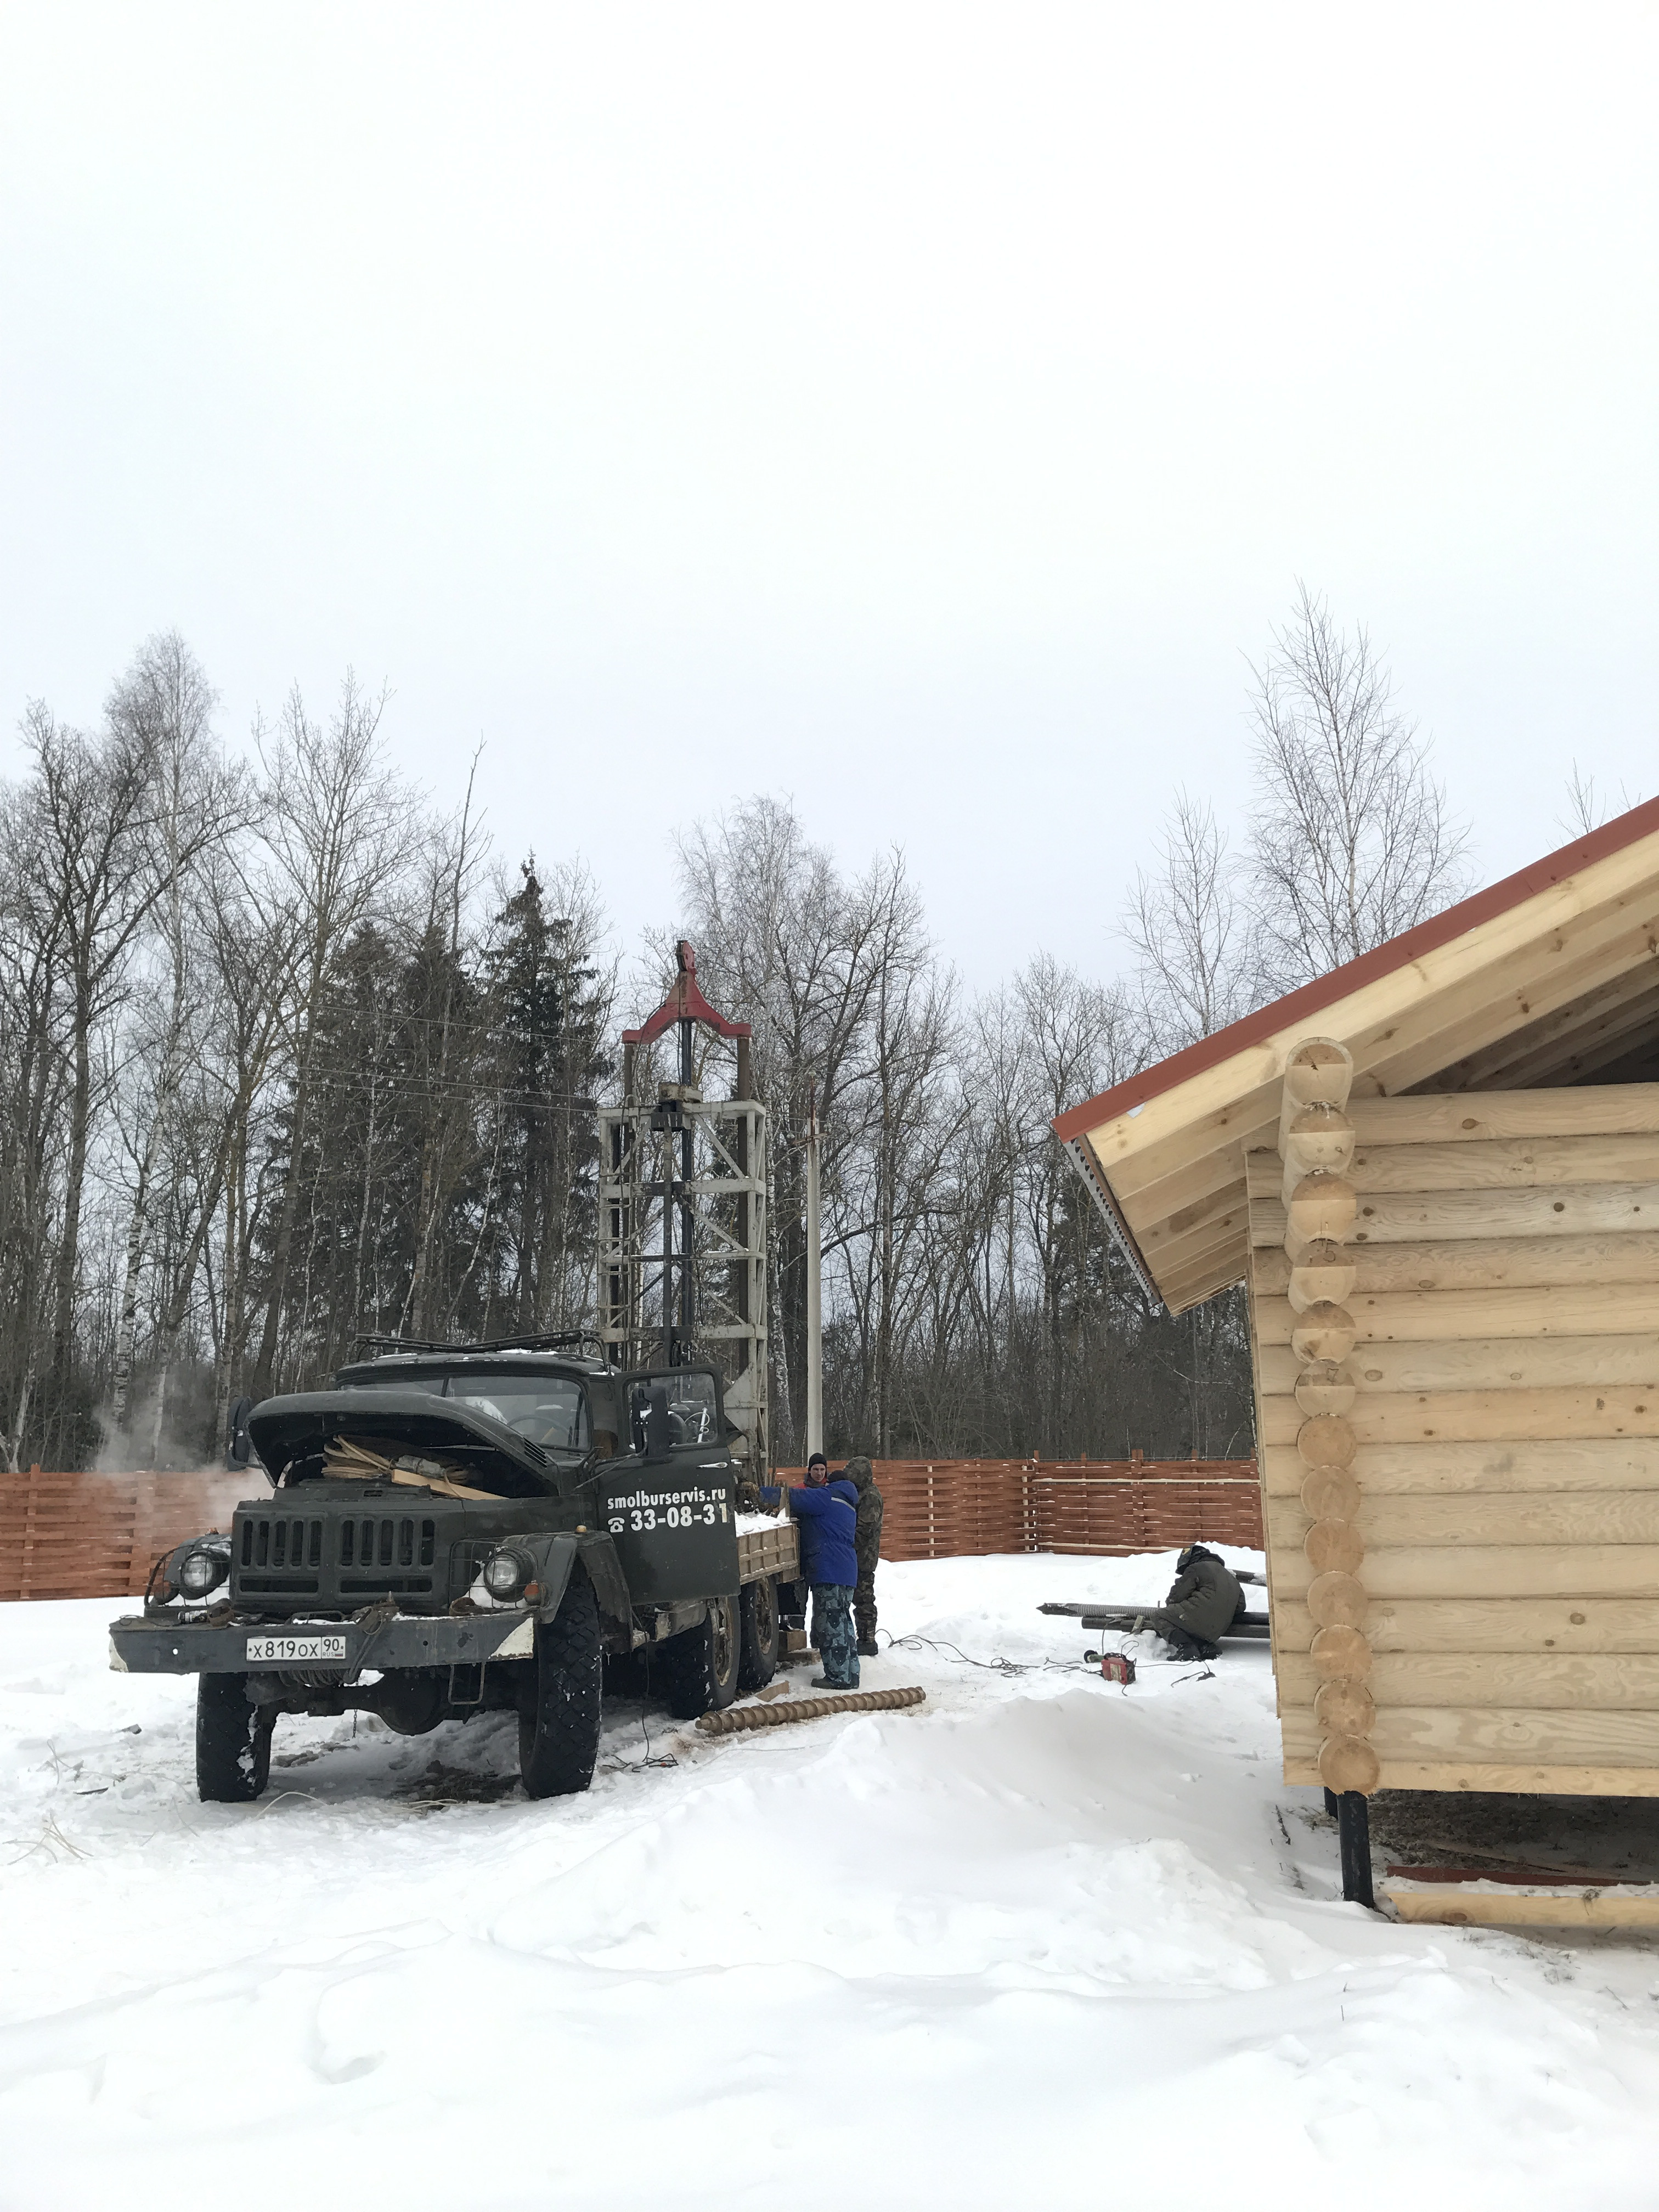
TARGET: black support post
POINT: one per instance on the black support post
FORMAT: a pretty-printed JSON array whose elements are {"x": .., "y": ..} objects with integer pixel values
[
  {"x": 1353, "y": 1836},
  {"x": 687, "y": 1207},
  {"x": 1331, "y": 1802}
]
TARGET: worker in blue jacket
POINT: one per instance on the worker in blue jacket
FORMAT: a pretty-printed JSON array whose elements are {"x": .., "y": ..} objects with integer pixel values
[{"x": 828, "y": 1514}]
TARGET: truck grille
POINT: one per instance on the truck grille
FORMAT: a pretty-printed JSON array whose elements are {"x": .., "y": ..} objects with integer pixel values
[
  {"x": 370, "y": 1555},
  {"x": 277, "y": 1553},
  {"x": 376, "y": 1553}
]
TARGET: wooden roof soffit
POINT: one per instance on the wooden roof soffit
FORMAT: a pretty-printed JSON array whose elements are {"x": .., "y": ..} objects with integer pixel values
[
  {"x": 1121, "y": 1235},
  {"x": 1562, "y": 958}
]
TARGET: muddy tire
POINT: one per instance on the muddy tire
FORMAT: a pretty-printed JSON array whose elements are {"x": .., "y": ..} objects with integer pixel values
[
  {"x": 758, "y": 1654},
  {"x": 698, "y": 1671},
  {"x": 561, "y": 1702},
  {"x": 232, "y": 1741}
]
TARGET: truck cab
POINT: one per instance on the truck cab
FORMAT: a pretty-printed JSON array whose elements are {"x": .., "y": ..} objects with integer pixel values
[{"x": 451, "y": 1530}]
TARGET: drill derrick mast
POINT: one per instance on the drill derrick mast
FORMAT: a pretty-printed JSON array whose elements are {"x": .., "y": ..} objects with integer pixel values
[{"x": 683, "y": 1214}]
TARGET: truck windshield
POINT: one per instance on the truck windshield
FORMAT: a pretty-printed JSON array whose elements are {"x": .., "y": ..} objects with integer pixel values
[{"x": 551, "y": 1410}]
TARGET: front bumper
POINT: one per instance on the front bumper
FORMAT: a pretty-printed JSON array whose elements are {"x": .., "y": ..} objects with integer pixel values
[{"x": 139, "y": 1646}]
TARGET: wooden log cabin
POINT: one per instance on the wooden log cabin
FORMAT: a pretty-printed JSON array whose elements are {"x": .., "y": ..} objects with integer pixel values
[{"x": 1435, "y": 1171}]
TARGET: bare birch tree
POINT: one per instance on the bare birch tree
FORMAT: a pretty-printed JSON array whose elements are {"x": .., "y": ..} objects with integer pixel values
[
  {"x": 165, "y": 705},
  {"x": 337, "y": 825},
  {"x": 1190, "y": 932},
  {"x": 1586, "y": 807},
  {"x": 101, "y": 872},
  {"x": 35, "y": 1074},
  {"x": 910, "y": 1114},
  {"x": 455, "y": 856},
  {"x": 1351, "y": 840}
]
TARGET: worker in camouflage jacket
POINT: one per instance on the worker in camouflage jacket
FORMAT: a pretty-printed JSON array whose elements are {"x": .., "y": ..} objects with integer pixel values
[
  {"x": 825, "y": 1514},
  {"x": 1202, "y": 1601},
  {"x": 868, "y": 1541}
]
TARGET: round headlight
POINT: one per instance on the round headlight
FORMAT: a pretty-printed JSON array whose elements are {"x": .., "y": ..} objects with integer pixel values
[
  {"x": 505, "y": 1573},
  {"x": 201, "y": 1571}
]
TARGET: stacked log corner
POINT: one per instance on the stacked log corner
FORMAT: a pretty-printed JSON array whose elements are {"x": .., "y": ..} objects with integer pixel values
[
  {"x": 1315, "y": 1147},
  {"x": 1458, "y": 1429}
]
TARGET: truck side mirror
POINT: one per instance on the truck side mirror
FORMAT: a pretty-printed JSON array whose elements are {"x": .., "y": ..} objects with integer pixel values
[{"x": 240, "y": 1448}]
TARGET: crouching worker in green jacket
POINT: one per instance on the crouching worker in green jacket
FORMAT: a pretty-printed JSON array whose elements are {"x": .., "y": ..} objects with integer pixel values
[{"x": 1202, "y": 1601}]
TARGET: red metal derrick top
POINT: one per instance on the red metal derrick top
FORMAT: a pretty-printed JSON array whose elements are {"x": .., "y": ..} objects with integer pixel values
[{"x": 685, "y": 1003}]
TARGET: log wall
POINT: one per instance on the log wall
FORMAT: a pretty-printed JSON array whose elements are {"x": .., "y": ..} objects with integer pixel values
[{"x": 1472, "y": 1479}]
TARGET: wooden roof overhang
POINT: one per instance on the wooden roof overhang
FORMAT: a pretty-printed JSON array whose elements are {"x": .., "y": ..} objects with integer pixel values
[{"x": 1549, "y": 977}]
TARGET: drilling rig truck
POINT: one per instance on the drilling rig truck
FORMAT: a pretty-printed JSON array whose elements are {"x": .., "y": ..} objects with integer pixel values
[{"x": 453, "y": 1529}]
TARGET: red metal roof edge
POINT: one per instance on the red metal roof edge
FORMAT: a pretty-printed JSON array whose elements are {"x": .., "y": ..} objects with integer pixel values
[{"x": 1440, "y": 929}]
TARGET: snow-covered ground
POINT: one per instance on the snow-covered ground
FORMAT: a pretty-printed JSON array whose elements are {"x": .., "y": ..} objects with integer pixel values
[{"x": 1044, "y": 1943}]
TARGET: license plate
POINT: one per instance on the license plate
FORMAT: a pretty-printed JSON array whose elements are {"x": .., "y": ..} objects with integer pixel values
[{"x": 294, "y": 1650}]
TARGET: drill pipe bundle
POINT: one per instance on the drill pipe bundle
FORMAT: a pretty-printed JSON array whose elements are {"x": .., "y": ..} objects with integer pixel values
[{"x": 737, "y": 1718}]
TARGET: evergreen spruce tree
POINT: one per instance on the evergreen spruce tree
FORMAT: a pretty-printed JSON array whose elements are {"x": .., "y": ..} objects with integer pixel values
[{"x": 549, "y": 1011}]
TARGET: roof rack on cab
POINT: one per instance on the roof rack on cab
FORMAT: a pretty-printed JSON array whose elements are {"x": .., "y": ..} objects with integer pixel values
[{"x": 558, "y": 1340}]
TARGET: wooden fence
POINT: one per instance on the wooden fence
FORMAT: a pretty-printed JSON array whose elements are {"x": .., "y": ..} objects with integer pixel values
[
  {"x": 945, "y": 1509},
  {"x": 97, "y": 1535}
]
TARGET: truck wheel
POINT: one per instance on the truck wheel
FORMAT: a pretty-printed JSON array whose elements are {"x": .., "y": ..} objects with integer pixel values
[
  {"x": 699, "y": 1670},
  {"x": 561, "y": 1704},
  {"x": 757, "y": 1658},
  {"x": 232, "y": 1741}
]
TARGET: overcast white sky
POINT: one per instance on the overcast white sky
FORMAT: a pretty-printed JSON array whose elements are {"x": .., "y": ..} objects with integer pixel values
[{"x": 919, "y": 410}]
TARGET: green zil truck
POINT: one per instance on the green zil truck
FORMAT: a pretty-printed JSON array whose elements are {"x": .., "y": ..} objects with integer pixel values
[{"x": 456, "y": 1531}]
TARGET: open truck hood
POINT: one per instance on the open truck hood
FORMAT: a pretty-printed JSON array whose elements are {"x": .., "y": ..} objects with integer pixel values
[{"x": 485, "y": 1455}]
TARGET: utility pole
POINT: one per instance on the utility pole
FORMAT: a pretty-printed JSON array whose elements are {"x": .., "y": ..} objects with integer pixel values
[{"x": 814, "y": 1283}]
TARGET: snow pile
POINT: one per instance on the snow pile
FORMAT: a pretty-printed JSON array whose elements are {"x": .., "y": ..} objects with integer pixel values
[
  {"x": 1048, "y": 1941},
  {"x": 752, "y": 1525}
]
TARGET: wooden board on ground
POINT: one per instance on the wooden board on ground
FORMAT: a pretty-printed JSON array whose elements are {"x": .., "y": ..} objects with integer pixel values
[{"x": 1450, "y": 1907}]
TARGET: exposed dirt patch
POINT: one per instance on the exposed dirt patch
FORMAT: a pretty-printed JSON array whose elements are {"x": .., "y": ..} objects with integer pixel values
[
  {"x": 1444, "y": 1827},
  {"x": 438, "y": 1786}
]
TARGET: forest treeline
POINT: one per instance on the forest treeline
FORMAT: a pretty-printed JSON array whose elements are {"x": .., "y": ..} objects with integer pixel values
[{"x": 288, "y": 1057}]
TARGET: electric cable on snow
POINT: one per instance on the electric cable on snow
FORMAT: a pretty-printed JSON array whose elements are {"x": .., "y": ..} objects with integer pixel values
[{"x": 1000, "y": 1665}]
